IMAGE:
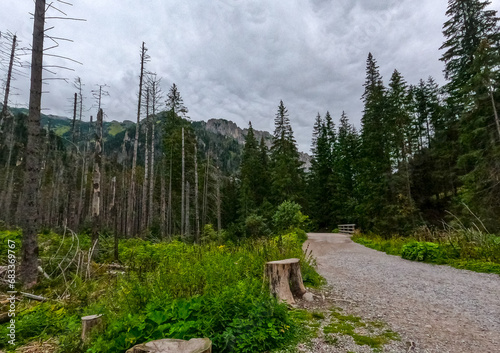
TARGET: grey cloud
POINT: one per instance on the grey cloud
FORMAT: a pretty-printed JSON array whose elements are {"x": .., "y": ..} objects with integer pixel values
[{"x": 235, "y": 59}]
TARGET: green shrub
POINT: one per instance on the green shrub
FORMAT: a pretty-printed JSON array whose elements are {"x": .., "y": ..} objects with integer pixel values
[
  {"x": 175, "y": 290},
  {"x": 421, "y": 251},
  {"x": 288, "y": 216},
  {"x": 256, "y": 226}
]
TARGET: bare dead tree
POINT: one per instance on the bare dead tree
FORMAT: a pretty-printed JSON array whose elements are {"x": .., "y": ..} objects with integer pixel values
[
  {"x": 3, "y": 115},
  {"x": 156, "y": 97},
  {"x": 204, "y": 207},
  {"x": 196, "y": 205},
  {"x": 183, "y": 184},
  {"x": 218, "y": 202},
  {"x": 169, "y": 209},
  {"x": 96, "y": 180},
  {"x": 187, "y": 227},
  {"x": 79, "y": 91},
  {"x": 132, "y": 192},
  {"x": 163, "y": 202},
  {"x": 144, "y": 216},
  {"x": 29, "y": 250},
  {"x": 99, "y": 93}
]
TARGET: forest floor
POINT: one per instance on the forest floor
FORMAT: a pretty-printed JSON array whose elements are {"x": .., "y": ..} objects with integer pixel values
[{"x": 408, "y": 306}]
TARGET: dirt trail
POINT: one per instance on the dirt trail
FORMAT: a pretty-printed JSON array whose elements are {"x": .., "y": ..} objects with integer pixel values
[{"x": 438, "y": 308}]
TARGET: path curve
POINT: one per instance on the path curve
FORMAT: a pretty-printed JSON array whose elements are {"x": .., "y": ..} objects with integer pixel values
[{"x": 439, "y": 308}]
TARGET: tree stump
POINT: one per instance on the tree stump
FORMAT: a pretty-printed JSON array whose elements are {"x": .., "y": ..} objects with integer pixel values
[
  {"x": 194, "y": 345},
  {"x": 285, "y": 279},
  {"x": 90, "y": 323}
]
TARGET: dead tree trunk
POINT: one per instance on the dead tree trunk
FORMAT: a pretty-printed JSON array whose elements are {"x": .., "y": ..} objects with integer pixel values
[
  {"x": 169, "y": 210},
  {"x": 194, "y": 345},
  {"x": 495, "y": 112},
  {"x": 285, "y": 279},
  {"x": 219, "y": 202},
  {"x": 163, "y": 201},
  {"x": 152, "y": 173},
  {"x": 183, "y": 183},
  {"x": 29, "y": 250},
  {"x": 144, "y": 218},
  {"x": 196, "y": 210},
  {"x": 96, "y": 181},
  {"x": 205, "y": 193},
  {"x": 73, "y": 124},
  {"x": 3, "y": 115},
  {"x": 132, "y": 193},
  {"x": 188, "y": 204}
]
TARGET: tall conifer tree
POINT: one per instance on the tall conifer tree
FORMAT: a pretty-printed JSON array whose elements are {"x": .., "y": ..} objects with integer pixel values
[{"x": 286, "y": 168}]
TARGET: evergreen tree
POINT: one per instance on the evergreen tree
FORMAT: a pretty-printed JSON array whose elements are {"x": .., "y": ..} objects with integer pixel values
[
  {"x": 286, "y": 169},
  {"x": 178, "y": 143},
  {"x": 472, "y": 65},
  {"x": 402, "y": 135},
  {"x": 319, "y": 174},
  {"x": 375, "y": 163},
  {"x": 348, "y": 145},
  {"x": 480, "y": 138},
  {"x": 469, "y": 22},
  {"x": 262, "y": 193},
  {"x": 250, "y": 174}
]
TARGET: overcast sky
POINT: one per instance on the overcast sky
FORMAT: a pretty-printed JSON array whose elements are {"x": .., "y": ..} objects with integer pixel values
[{"x": 235, "y": 59}]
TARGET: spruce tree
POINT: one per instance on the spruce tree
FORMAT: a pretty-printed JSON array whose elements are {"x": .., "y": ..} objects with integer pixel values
[
  {"x": 286, "y": 169},
  {"x": 472, "y": 65},
  {"x": 250, "y": 174},
  {"x": 469, "y": 22},
  {"x": 319, "y": 193},
  {"x": 375, "y": 164},
  {"x": 348, "y": 145}
]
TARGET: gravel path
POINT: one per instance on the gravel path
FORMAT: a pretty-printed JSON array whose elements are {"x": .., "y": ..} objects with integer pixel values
[{"x": 436, "y": 309}]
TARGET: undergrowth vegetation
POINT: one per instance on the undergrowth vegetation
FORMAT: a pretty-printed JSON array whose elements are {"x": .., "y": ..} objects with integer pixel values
[
  {"x": 160, "y": 290},
  {"x": 460, "y": 247}
]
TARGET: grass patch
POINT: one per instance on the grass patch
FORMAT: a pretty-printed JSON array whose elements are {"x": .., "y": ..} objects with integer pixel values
[
  {"x": 347, "y": 325},
  {"x": 464, "y": 249},
  {"x": 169, "y": 290}
]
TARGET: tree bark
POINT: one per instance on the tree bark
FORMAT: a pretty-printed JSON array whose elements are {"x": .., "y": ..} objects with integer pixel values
[
  {"x": 152, "y": 174},
  {"x": 132, "y": 192},
  {"x": 183, "y": 183},
  {"x": 285, "y": 279},
  {"x": 196, "y": 210},
  {"x": 3, "y": 115},
  {"x": 96, "y": 181},
  {"x": 163, "y": 201},
  {"x": 497, "y": 121},
  {"x": 89, "y": 324},
  {"x": 219, "y": 202},
  {"x": 144, "y": 218},
  {"x": 187, "y": 227},
  {"x": 194, "y": 345},
  {"x": 29, "y": 250}
]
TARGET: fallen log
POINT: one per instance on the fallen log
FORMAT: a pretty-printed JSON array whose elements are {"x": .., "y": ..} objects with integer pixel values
[
  {"x": 34, "y": 297},
  {"x": 285, "y": 279},
  {"x": 194, "y": 345}
]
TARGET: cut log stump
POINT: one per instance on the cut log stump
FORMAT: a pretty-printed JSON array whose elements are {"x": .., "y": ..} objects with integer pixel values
[
  {"x": 285, "y": 279},
  {"x": 90, "y": 323},
  {"x": 195, "y": 345}
]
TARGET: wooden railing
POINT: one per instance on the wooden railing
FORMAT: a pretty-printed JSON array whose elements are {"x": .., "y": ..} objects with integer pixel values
[{"x": 347, "y": 228}]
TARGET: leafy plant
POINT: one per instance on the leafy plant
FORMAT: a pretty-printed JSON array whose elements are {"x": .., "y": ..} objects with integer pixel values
[
  {"x": 288, "y": 216},
  {"x": 421, "y": 251}
]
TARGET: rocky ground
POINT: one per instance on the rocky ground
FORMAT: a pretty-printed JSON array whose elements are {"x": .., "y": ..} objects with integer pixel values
[{"x": 376, "y": 302}]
